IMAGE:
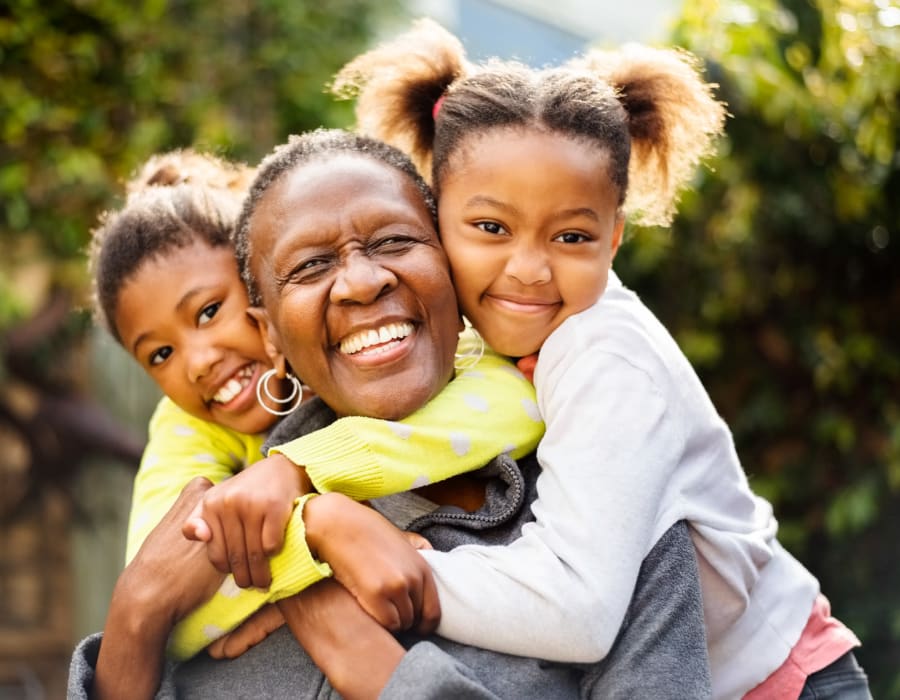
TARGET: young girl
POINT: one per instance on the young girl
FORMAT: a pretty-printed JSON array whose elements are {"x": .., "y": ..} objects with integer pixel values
[
  {"x": 531, "y": 169},
  {"x": 167, "y": 287}
]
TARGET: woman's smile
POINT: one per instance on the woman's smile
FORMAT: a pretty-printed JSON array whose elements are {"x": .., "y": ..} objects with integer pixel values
[{"x": 375, "y": 341}]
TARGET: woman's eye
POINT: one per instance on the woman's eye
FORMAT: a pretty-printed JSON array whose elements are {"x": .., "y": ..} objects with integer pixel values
[
  {"x": 390, "y": 244},
  {"x": 157, "y": 357},
  {"x": 572, "y": 237},
  {"x": 490, "y": 227},
  {"x": 305, "y": 271},
  {"x": 208, "y": 312}
]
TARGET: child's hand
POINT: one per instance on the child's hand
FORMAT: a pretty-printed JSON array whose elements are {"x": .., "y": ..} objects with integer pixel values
[
  {"x": 248, "y": 634},
  {"x": 243, "y": 519},
  {"x": 375, "y": 561}
]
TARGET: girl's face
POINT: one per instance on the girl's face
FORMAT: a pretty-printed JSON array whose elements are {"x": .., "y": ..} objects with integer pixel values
[
  {"x": 183, "y": 315},
  {"x": 530, "y": 223}
]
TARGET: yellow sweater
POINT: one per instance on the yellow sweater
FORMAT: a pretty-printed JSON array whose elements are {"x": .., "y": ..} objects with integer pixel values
[{"x": 483, "y": 412}]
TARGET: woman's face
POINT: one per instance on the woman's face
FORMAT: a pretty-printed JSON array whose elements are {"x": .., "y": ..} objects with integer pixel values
[
  {"x": 355, "y": 285},
  {"x": 183, "y": 316}
]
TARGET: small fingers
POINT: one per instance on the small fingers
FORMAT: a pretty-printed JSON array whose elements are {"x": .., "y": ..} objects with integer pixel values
[
  {"x": 274, "y": 525},
  {"x": 430, "y": 610},
  {"x": 236, "y": 552},
  {"x": 417, "y": 541},
  {"x": 257, "y": 561},
  {"x": 216, "y": 548},
  {"x": 195, "y": 528}
]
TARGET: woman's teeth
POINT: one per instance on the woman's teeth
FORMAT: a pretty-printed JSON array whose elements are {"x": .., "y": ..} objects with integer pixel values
[
  {"x": 364, "y": 339},
  {"x": 234, "y": 386}
]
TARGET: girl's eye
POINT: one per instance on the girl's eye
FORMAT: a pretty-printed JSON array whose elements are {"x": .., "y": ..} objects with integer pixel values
[
  {"x": 491, "y": 227},
  {"x": 157, "y": 357},
  {"x": 572, "y": 237},
  {"x": 208, "y": 312}
]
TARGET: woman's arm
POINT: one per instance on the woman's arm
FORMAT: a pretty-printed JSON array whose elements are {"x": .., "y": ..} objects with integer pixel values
[
  {"x": 356, "y": 654},
  {"x": 151, "y": 594}
]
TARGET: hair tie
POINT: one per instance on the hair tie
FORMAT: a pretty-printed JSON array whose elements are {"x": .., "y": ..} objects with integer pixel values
[{"x": 437, "y": 106}]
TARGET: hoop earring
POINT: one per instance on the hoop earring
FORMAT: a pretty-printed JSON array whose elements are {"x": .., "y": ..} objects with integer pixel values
[
  {"x": 296, "y": 395},
  {"x": 473, "y": 349}
]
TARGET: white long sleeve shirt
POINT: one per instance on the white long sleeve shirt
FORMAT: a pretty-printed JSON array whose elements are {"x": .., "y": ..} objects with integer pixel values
[{"x": 633, "y": 444}]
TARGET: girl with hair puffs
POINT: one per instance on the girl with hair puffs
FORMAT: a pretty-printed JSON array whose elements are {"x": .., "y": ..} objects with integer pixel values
[
  {"x": 535, "y": 173},
  {"x": 168, "y": 289}
]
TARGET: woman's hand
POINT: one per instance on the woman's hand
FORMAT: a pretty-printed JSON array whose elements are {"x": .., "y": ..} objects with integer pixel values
[
  {"x": 374, "y": 561},
  {"x": 355, "y": 653},
  {"x": 242, "y": 519},
  {"x": 168, "y": 577}
]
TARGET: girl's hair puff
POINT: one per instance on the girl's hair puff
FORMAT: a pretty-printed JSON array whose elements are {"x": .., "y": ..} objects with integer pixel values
[
  {"x": 650, "y": 100},
  {"x": 186, "y": 165},
  {"x": 398, "y": 84},
  {"x": 314, "y": 146},
  {"x": 673, "y": 119},
  {"x": 175, "y": 200}
]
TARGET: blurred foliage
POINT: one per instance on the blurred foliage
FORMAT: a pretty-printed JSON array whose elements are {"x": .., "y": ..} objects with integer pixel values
[
  {"x": 90, "y": 88},
  {"x": 780, "y": 281}
]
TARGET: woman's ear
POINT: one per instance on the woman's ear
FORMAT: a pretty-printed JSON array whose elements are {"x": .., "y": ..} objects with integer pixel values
[{"x": 270, "y": 340}]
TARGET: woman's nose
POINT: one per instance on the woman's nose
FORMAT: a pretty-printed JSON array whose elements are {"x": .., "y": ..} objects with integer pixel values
[
  {"x": 361, "y": 280},
  {"x": 529, "y": 265}
]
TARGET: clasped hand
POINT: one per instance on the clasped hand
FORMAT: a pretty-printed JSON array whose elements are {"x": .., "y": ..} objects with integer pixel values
[{"x": 243, "y": 519}]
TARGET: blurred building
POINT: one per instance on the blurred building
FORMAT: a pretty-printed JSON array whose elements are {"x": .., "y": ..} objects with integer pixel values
[{"x": 539, "y": 32}]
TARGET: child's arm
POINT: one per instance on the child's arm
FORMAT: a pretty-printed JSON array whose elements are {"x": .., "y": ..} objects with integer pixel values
[
  {"x": 483, "y": 412},
  {"x": 179, "y": 448},
  {"x": 611, "y": 447},
  {"x": 486, "y": 410},
  {"x": 392, "y": 572}
]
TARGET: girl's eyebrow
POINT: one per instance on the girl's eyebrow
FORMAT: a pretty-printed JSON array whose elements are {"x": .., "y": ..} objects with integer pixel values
[
  {"x": 190, "y": 294},
  {"x": 184, "y": 301},
  {"x": 577, "y": 211},
  {"x": 485, "y": 200}
]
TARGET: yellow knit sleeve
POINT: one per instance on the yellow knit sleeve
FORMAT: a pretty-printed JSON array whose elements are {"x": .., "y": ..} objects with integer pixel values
[
  {"x": 485, "y": 411},
  {"x": 179, "y": 448},
  {"x": 293, "y": 569}
]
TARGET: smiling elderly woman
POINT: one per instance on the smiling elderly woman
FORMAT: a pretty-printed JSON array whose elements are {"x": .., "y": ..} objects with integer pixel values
[{"x": 338, "y": 242}]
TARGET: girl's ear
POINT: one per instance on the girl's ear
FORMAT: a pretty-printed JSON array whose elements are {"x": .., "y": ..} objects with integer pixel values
[
  {"x": 270, "y": 340},
  {"x": 617, "y": 235}
]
